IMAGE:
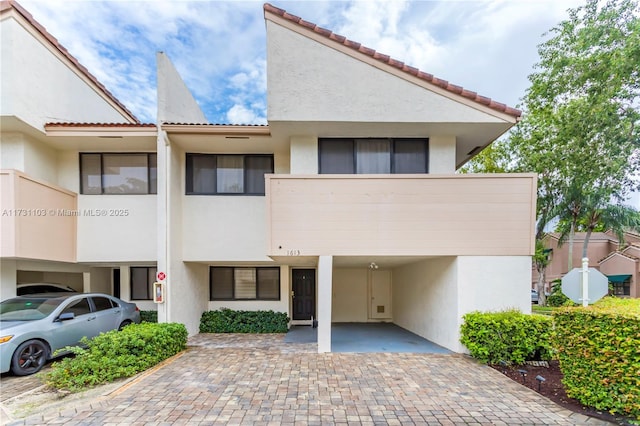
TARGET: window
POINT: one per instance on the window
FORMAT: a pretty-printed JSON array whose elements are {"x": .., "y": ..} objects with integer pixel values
[
  {"x": 102, "y": 303},
  {"x": 79, "y": 307},
  {"x": 122, "y": 173},
  {"x": 212, "y": 174},
  {"x": 227, "y": 283},
  {"x": 142, "y": 279},
  {"x": 622, "y": 288},
  {"x": 373, "y": 156}
]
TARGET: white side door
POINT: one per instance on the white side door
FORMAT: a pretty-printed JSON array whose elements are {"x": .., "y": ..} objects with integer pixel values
[{"x": 380, "y": 294}]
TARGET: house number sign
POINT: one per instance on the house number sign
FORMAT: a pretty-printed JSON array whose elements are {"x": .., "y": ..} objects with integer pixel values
[{"x": 293, "y": 252}]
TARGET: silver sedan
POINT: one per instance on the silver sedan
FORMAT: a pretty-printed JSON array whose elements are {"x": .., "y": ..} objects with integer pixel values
[{"x": 33, "y": 327}]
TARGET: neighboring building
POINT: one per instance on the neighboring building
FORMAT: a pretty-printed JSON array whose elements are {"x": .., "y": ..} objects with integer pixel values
[
  {"x": 346, "y": 207},
  {"x": 620, "y": 263}
]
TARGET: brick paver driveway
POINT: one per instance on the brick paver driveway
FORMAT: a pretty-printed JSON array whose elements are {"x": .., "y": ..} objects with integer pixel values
[{"x": 240, "y": 379}]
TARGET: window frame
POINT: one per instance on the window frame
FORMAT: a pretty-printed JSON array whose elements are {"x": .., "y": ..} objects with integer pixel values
[
  {"x": 233, "y": 284},
  {"x": 188, "y": 167},
  {"x": 149, "y": 284},
  {"x": 102, "y": 154},
  {"x": 623, "y": 288},
  {"x": 392, "y": 152}
]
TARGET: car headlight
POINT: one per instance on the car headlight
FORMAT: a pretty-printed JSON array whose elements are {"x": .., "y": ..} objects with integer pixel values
[{"x": 5, "y": 339}]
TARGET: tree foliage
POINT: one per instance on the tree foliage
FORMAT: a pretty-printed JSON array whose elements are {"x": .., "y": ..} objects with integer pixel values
[{"x": 580, "y": 130}]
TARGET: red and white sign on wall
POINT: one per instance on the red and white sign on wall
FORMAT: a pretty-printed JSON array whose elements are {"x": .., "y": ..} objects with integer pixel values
[{"x": 161, "y": 276}]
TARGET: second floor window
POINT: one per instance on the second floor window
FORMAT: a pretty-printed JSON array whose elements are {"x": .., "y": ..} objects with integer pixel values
[
  {"x": 118, "y": 173},
  {"x": 373, "y": 156},
  {"x": 223, "y": 174}
]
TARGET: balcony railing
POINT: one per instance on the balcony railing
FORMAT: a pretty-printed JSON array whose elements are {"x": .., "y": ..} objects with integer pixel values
[
  {"x": 408, "y": 215},
  {"x": 38, "y": 219}
]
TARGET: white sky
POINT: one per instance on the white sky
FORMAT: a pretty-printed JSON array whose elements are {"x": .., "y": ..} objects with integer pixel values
[{"x": 218, "y": 47}]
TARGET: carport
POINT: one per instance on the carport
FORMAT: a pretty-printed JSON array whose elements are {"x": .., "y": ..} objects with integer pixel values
[{"x": 367, "y": 337}]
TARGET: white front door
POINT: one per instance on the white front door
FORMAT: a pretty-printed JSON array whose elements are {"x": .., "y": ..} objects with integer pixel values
[{"x": 380, "y": 294}]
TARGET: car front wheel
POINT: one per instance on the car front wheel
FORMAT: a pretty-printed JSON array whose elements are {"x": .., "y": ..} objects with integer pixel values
[
  {"x": 29, "y": 358},
  {"x": 124, "y": 324}
]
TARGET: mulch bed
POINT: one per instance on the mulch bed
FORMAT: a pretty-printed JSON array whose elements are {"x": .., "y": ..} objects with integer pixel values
[{"x": 553, "y": 389}]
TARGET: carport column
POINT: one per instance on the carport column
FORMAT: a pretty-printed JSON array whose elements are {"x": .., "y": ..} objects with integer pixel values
[{"x": 325, "y": 283}]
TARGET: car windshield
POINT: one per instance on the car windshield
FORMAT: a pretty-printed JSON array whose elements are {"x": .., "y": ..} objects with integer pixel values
[{"x": 27, "y": 309}]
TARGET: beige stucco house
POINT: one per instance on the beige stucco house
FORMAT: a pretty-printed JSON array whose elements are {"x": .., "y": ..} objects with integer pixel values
[
  {"x": 619, "y": 262},
  {"x": 346, "y": 207}
]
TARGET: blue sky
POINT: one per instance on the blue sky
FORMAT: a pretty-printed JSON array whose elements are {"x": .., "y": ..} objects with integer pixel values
[{"x": 219, "y": 46}]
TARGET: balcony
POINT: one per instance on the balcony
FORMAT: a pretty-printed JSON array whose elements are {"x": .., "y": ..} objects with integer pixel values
[
  {"x": 38, "y": 219},
  {"x": 400, "y": 215}
]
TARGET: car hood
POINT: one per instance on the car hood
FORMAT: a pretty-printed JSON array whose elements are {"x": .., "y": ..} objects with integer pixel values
[{"x": 9, "y": 325}]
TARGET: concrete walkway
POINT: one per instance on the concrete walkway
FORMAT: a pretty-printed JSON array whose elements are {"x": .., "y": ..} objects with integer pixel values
[{"x": 260, "y": 379}]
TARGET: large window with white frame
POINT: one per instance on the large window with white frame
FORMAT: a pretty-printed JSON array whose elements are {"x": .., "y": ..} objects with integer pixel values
[
  {"x": 118, "y": 173},
  {"x": 242, "y": 283},
  {"x": 227, "y": 174},
  {"x": 373, "y": 156}
]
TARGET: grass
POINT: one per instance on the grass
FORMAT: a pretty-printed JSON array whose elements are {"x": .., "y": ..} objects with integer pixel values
[{"x": 542, "y": 310}]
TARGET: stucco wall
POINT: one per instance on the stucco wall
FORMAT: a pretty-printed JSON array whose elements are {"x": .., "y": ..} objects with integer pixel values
[
  {"x": 430, "y": 297},
  {"x": 349, "y": 298},
  {"x": 425, "y": 299},
  {"x": 20, "y": 152},
  {"x": 39, "y": 87},
  {"x": 224, "y": 228},
  {"x": 117, "y": 228},
  {"x": 304, "y": 155},
  {"x": 308, "y": 81}
]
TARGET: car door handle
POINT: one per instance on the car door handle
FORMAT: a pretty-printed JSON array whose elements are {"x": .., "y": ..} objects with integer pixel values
[{"x": 91, "y": 318}]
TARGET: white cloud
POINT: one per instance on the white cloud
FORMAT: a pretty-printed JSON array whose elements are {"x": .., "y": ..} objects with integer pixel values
[{"x": 239, "y": 114}]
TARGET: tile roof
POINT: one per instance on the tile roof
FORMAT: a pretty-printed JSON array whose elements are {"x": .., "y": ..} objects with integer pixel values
[
  {"x": 171, "y": 123},
  {"x": 613, "y": 253},
  {"x": 12, "y": 4},
  {"x": 429, "y": 78},
  {"x": 127, "y": 125}
]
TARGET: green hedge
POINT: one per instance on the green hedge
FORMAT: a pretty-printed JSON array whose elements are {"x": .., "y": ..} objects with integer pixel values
[
  {"x": 509, "y": 336},
  {"x": 149, "y": 316},
  {"x": 117, "y": 354},
  {"x": 557, "y": 297},
  {"x": 599, "y": 353},
  {"x": 230, "y": 321}
]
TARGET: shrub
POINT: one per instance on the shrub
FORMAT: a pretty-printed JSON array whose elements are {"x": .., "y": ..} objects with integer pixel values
[
  {"x": 599, "y": 356},
  {"x": 149, "y": 316},
  {"x": 230, "y": 321},
  {"x": 557, "y": 297},
  {"x": 508, "y": 336},
  {"x": 117, "y": 354}
]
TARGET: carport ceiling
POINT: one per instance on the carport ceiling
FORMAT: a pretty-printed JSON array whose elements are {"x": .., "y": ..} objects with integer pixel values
[{"x": 383, "y": 262}]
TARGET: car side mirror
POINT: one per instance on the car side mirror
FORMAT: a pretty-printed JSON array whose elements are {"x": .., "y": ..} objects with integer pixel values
[{"x": 66, "y": 316}]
